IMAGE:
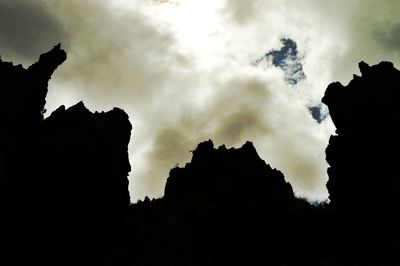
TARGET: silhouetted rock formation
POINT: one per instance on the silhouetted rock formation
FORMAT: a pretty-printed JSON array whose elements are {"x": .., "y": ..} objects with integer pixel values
[
  {"x": 364, "y": 156},
  {"x": 85, "y": 175},
  {"x": 64, "y": 189},
  {"x": 22, "y": 99},
  {"x": 89, "y": 154},
  {"x": 228, "y": 174},
  {"x": 225, "y": 207},
  {"x": 64, "y": 186},
  {"x": 23, "y": 91}
]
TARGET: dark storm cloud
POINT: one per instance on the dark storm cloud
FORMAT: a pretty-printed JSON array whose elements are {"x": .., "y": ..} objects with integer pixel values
[
  {"x": 27, "y": 29},
  {"x": 238, "y": 110},
  {"x": 391, "y": 38},
  {"x": 171, "y": 147},
  {"x": 114, "y": 56},
  {"x": 240, "y": 123}
]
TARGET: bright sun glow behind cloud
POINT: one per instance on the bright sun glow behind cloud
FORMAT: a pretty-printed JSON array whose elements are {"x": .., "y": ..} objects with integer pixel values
[{"x": 195, "y": 25}]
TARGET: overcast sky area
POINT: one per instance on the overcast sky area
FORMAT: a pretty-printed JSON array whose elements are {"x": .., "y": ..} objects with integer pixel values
[{"x": 188, "y": 70}]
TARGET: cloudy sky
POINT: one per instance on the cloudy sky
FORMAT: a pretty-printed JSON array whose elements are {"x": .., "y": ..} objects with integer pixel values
[{"x": 188, "y": 70}]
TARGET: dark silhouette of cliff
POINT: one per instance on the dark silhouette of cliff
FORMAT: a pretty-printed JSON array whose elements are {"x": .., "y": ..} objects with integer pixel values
[
  {"x": 64, "y": 196},
  {"x": 225, "y": 207},
  {"x": 64, "y": 186},
  {"x": 364, "y": 156},
  {"x": 22, "y": 100},
  {"x": 229, "y": 174}
]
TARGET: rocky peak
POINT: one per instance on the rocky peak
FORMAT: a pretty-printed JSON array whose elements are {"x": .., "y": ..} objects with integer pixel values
[
  {"x": 364, "y": 155},
  {"x": 23, "y": 91},
  {"x": 65, "y": 174},
  {"x": 231, "y": 173}
]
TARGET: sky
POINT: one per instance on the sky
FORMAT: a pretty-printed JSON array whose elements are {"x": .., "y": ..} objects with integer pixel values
[{"x": 186, "y": 71}]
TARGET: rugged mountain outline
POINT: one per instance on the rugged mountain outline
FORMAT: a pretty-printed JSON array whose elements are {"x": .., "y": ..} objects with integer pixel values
[{"x": 65, "y": 201}]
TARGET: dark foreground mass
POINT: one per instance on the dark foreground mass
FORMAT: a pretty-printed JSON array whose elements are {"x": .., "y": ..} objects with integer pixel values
[{"x": 64, "y": 190}]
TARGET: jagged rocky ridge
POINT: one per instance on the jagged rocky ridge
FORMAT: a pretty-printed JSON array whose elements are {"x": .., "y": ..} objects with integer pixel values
[
  {"x": 64, "y": 189},
  {"x": 231, "y": 174},
  {"x": 64, "y": 183},
  {"x": 225, "y": 207},
  {"x": 364, "y": 156}
]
